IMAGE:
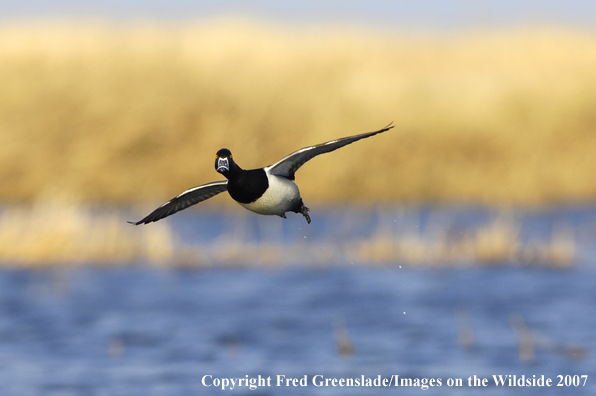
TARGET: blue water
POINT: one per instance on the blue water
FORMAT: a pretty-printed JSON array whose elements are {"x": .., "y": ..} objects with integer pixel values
[{"x": 146, "y": 331}]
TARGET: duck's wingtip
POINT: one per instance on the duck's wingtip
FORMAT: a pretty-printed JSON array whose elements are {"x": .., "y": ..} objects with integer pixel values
[{"x": 134, "y": 223}]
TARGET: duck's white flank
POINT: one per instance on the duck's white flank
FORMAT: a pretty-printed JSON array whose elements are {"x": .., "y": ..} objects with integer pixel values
[{"x": 281, "y": 196}]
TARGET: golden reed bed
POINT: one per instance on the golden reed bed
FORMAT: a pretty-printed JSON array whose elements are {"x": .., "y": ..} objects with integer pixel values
[{"x": 110, "y": 113}]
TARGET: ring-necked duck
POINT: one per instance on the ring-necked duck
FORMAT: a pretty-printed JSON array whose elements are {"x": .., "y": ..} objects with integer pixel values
[{"x": 267, "y": 191}]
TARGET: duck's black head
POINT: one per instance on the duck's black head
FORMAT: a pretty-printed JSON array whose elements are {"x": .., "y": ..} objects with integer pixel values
[{"x": 224, "y": 163}]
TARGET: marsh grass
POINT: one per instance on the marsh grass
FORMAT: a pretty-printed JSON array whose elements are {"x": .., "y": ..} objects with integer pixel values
[
  {"x": 495, "y": 242},
  {"x": 93, "y": 113},
  {"x": 55, "y": 233},
  {"x": 105, "y": 113},
  {"x": 50, "y": 233}
]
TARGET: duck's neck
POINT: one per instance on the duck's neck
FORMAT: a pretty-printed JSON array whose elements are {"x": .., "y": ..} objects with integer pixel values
[{"x": 234, "y": 172}]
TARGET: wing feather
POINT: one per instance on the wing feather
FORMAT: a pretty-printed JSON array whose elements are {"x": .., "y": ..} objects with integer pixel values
[
  {"x": 288, "y": 165},
  {"x": 187, "y": 198}
]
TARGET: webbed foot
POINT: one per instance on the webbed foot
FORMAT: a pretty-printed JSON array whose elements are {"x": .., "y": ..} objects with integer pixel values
[{"x": 304, "y": 210}]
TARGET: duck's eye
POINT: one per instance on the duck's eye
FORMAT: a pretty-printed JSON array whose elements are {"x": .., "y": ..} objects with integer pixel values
[{"x": 230, "y": 155}]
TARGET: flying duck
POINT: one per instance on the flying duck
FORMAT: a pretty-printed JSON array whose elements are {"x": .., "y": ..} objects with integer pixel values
[{"x": 268, "y": 191}]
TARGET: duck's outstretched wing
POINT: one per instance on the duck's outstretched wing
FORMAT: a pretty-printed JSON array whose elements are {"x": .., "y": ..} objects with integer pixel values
[
  {"x": 288, "y": 165},
  {"x": 187, "y": 198}
]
